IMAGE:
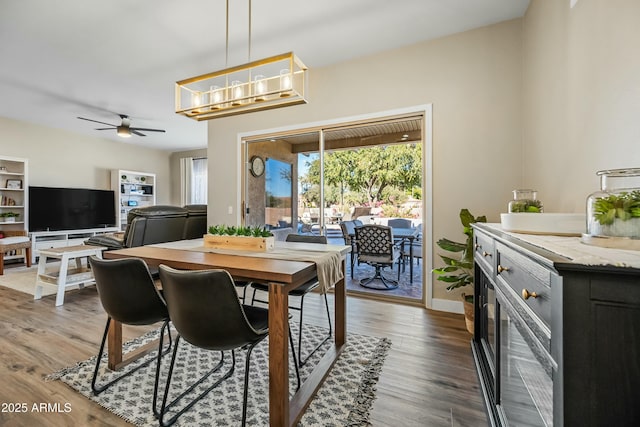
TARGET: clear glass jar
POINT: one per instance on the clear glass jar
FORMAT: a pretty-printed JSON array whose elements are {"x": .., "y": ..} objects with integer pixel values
[
  {"x": 614, "y": 211},
  {"x": 525, "y": 201}
]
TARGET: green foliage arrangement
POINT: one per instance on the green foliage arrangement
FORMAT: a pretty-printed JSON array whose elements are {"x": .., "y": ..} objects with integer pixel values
[
  {"x": 232, "y": 230},
  {"x": 623, "y": 206},
  {"x": 9, "y": 214},
  {"x": 459, "y": 271},
  {"x": 530, "y": 206}
]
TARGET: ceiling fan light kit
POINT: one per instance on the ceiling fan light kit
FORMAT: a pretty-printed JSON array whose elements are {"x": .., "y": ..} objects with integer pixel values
[
  {"x": 273, "y": 82},
  {"x": 124, "y": 130}
]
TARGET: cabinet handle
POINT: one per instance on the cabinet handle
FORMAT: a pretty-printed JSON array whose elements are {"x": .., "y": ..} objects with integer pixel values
[
  {"x": 485, "y": 253},
  {"x": 501, "y": 269},
  {"x": 526, "y": 294}
]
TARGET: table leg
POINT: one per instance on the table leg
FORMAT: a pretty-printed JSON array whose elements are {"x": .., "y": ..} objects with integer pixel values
[
  {"x": 340, "y": 308},
  {"x": 278, "y": 356},
  {"x": 114, "y": 345},
  {"x": 62, "y": 279},
  {"x": 42, "y": 266},
  {"x": 411, "y": 260}
]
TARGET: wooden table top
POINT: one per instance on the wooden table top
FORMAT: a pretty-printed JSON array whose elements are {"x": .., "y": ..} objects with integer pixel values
[{"x": 240, "y": 267}]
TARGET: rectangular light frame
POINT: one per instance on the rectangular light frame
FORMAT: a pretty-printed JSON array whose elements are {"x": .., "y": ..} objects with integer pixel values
[{"x": 273, "y": 82}]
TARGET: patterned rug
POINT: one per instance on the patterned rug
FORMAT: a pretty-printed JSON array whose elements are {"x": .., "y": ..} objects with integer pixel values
[{"x": 344, "y": 399}]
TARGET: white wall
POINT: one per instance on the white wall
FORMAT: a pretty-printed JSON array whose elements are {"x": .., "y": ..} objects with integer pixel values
[
  {"x": 581, "y": 90},
  {"x": 473, "y": 80},
  {"x": 59, "y": 158}
]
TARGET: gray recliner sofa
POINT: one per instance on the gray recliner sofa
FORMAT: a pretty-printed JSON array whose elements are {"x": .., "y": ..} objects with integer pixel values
[{"x": 157, "y": 224}]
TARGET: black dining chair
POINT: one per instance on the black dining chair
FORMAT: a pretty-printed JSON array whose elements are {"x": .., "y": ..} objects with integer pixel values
[
  {"x": 128, "y": 294},
  {"x": 205, "y": 310},
  {"x": 376, "y": 247},
  {"x": 301, "y": 291}
]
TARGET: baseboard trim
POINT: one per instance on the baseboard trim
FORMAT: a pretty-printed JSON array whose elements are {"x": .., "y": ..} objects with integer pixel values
[{"x": 447, "y": 305}]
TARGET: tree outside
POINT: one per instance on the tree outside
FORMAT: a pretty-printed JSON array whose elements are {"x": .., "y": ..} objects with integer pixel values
[{"x": 383, "y": 177}]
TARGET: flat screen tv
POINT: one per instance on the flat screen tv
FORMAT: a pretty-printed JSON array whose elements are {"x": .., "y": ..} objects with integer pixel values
[{"x": 53, "y": 209}]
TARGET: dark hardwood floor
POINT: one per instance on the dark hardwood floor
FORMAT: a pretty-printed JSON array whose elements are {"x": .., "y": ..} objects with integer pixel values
[{"x": 427, "y": 380}]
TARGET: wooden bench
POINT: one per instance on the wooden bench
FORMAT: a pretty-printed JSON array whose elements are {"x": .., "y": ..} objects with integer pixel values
[{"x": 15, "y": 240}]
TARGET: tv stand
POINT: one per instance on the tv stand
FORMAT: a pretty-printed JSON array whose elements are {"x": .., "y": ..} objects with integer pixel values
[{"x": 61, "y": 238}]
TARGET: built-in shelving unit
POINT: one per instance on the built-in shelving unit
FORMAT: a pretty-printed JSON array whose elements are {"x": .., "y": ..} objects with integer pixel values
[
  {"x": 133, "y": 189},
  {"x": 13, "y": 196}
]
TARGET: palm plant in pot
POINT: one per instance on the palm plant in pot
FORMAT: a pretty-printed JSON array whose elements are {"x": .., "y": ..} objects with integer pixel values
[{"x": 458, "y": 272}]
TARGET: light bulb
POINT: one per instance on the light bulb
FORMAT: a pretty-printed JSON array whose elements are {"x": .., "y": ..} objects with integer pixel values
[
  {"x": 215, "y": 97},
  {"x": 259, "y": 87},
  {"x": 237, "y": 91},
  {"x": 285, "y": 81}
]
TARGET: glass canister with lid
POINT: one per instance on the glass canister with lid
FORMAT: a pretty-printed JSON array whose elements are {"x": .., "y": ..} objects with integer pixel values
[
  {"x": 525, "y": 201},
  {"x": 614, "y": 211}
]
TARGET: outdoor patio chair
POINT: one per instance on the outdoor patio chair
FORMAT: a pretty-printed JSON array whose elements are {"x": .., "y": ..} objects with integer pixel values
[
  {"x": 348, "y": 229},
  {"x": 376, "y": 247}
]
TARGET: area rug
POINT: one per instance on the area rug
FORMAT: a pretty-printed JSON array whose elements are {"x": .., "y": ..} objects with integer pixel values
[
  {"x": 23, "y": 279},
  {"x": 344, "y": 399}
]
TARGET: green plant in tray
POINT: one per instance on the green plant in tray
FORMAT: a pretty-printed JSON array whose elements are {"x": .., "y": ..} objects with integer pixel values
[
  {"x": 623, "y": 206},
  {"x": 232, "y": 230}
]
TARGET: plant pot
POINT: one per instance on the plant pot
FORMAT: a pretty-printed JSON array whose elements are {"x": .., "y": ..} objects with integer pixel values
[
  {"x": 256, "y": 244},
  {"x": 10, "y": 219},
  {"x": 468, "y": 315}
]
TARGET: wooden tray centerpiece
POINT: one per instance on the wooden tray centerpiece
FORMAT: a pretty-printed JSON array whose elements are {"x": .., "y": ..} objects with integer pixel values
[{"x": 257, "y": 239}]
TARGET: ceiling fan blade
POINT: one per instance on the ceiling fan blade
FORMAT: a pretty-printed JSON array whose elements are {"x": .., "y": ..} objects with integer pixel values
[
  {"x": 148, "y": 130},
  {"x": 105, "y": 128},
  {"x": 95, "y": 121},
  {"x": 135, "y": 132}
]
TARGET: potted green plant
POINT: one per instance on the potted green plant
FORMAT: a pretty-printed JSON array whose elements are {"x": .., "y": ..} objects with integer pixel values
[
  {"x": 458, "y": 272},
  {"x": 9, "y": 216},
  {"x": 239, "y": 238}
]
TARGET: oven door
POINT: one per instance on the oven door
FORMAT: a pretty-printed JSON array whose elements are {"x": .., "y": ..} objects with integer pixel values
[{"x": 525, "y": 387}]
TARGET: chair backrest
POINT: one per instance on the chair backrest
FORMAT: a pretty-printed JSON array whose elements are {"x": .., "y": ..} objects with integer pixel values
[
  {"x": 374, "y": 240},
  {"x": 204, "y": 308},
  {"x": 358, "y": 223},
  {"x": 348, "y": 231},
  {"x": 399, "y": 223},
  {"x": 127, "y": 291},
  {"x": 306, "y": 238}
]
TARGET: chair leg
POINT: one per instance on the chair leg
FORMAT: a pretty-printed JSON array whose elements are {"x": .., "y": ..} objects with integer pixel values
[
  {"x": 99, "y": 389},
  {"x": 296, "y": 362},
  {"x": 388, "y": 283},
  {"x": 303, "y": 361},
  {"x": 165, "y": 406}
]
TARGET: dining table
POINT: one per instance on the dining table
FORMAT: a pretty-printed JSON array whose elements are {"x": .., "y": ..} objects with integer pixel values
[
  {"x": 402, "y": 235},
  {"x": 282, "y": 276}
]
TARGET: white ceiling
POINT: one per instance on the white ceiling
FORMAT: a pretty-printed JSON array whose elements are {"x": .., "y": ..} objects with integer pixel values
[{"x": 100, "y": 58}]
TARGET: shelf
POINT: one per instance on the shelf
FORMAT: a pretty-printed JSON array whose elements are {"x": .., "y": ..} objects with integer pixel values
[{"x": 74, "y": 276}]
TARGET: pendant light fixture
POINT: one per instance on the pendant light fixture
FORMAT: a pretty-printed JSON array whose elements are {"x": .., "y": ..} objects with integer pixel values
[{"x": 273, "y": 82}]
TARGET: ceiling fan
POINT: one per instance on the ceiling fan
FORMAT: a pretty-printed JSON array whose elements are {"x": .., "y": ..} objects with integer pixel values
[{"x": 124, "y": 129}]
